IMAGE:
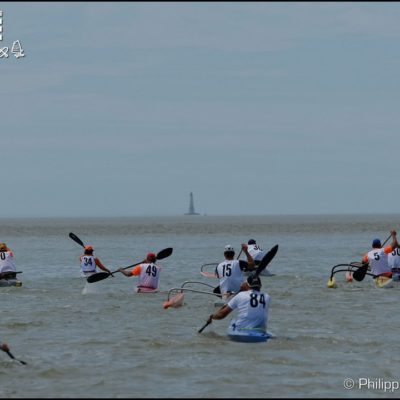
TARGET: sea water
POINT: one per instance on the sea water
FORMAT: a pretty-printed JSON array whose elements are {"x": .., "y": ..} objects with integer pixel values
[{"x": 104, "y": 340}]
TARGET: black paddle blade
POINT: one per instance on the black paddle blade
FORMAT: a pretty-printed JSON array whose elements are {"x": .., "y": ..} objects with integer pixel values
[
  {"x": 359, "y": 275},
  {"x": 76, "y": 239},
  {"x": 266, "y": 260},
  {"x": 217, "y": 290},
  {"x": 99, "y": 276},
  {"x": 164, "y": 253}
]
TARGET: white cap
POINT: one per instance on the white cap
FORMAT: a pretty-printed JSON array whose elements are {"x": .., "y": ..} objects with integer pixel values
[{"x": 228, "y": 247}]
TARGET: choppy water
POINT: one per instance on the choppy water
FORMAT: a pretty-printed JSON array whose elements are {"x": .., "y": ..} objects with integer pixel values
[{"x": 115, "y": 343}]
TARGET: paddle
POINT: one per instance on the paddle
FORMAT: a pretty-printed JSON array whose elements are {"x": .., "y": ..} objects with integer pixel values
[
  {"x": 263, "y": 264},
  {"x": 76, "y": 239},
  {"x": 9, "y": 274},
  {"x": 103, "y": 275},
  {"x": 11, "y": 356},
  {"x": 359, "y": 275}
]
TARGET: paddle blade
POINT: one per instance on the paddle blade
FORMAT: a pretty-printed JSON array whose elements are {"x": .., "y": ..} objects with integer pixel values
[
  {"x": 217, "y": 290},
  {"x": 359, "y": 275},
  {"x": 76, "y": 239},
  {"x": 266, "y": 260},
  {"x": 99, "y": 276},
  {"x": 164, "y": 253}
]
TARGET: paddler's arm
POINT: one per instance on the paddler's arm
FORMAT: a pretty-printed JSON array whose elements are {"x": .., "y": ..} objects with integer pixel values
[
  {"x": 220, "y": 314},
  {"x": 250, "y": 264},
  {"x": 101, "y": 266},
  {"x": 395, "y": 243},
  {"x": 133, "y": 272}
]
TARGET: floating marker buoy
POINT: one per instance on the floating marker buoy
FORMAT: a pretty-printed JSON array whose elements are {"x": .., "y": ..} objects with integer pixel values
[{"x": 332, "y": 283}]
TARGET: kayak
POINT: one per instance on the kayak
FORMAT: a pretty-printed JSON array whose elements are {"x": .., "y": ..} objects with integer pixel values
[
  {"x": 383, "y": 282},
  {"x": 247, "y": 335},
  {"x": 10, "y": 282}
]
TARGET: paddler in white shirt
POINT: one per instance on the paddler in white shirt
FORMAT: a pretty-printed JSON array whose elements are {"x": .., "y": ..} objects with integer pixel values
[
  {"x": 255, "y": 250},
  {"x": 4, "y": 347},
  {"x": 378, "y": 257},
  {"x": 230, "y": 271},
  {"x": 148, "y": 273},
  {"x": 252, "y": 306},
  {"x": 7, "y": 266},
  {"x": 89, "y": 263},
  {"x": 394, "y": 263}
]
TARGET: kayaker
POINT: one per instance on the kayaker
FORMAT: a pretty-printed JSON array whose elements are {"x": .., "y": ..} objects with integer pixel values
[
  {"x": 255, "y": 250},
  {"x": 378, "y": 256},
  {"x": 230, "y": 271},
  {"x": 394, "y": 263},
  {"x": 7, "y": 266},
  {"x": 89, "y": 263},
  {"x": 4, "y": 347},
  {"x": 148, "y": 273},
  {"x": 252, "y": 306}
]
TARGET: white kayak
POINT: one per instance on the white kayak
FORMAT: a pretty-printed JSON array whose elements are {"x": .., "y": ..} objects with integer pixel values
[{"x": 247, "y": 335}]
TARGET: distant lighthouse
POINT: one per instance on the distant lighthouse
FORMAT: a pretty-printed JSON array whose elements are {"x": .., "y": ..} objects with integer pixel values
[{"x": 191, "y": 206}]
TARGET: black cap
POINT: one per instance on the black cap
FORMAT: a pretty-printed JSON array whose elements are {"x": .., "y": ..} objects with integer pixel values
[
  {"x": 254, "y": 281},
  {"x": 376, "y": 243},
  {"x": 251, "y": 241}
]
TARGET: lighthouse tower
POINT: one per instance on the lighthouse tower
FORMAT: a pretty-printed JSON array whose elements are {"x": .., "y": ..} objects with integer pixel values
[{"x": 191, "y": 206}]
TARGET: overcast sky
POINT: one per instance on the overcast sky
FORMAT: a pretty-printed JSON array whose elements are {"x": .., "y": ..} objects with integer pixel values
[{"x": 123, "y": 109}]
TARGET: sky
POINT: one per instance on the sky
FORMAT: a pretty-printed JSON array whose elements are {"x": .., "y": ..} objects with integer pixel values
[{"x": 258, "y": 108}]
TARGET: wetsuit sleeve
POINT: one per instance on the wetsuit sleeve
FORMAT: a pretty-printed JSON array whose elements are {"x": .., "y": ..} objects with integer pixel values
[
  {"x": 388, "y": 249},
  {"x": 136, "y": 270}
]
